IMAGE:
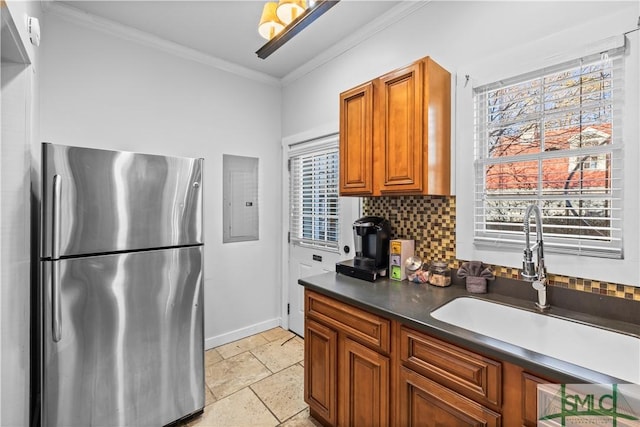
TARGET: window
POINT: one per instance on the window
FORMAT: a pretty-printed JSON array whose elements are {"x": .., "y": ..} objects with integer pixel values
[
  {"x": 314, "y": 198},
  {"x": 552, "y": 138}
]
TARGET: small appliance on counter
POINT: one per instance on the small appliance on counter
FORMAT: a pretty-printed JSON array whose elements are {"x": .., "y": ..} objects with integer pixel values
[
  {"x": 401, "y": 250},
  {"x": 371, "y": 240}
]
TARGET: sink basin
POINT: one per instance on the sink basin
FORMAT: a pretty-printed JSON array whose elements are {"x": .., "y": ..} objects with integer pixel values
[{"x": 601, "y": 350}]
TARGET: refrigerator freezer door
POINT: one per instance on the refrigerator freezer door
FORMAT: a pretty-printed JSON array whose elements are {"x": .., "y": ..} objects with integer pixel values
[
  {"x": 131, "y": 351},
  {"x": 114, "y": 201}
]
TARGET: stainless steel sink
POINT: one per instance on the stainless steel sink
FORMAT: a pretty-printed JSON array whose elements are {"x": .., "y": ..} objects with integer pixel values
[{"x": 601, "y": 350}]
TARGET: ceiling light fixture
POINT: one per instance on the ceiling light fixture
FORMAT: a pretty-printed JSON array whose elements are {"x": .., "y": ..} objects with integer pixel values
[
  {"x": 288, "y": 10},
  {"x": 269, "y": 24},
  {"x": 281, "y": 21}
]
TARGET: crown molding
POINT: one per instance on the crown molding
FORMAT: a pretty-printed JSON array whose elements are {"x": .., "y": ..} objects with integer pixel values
[
  {"x": 94, "y": 22},
  {"x": 389, "y": 18},
  {"x": 131, "y": 34}
]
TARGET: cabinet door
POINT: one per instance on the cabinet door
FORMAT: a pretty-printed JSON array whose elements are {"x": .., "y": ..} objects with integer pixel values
[
  {"x": 530, "y": 399},
  {"x": 364, "y": 386},
  {"x": 356, "y": 141},
  {"x": 423, "y": 402},
  {"x": 520, "y": 406},
  {"x": 320, "y": 359},
  {"x": 398, "y": 139}
]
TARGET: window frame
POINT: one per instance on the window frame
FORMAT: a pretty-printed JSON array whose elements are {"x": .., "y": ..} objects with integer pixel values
[
  {"x": 323, "y": 148},
  {"x": 518, "y": 61},
  {"x": 538, "y": 116}
]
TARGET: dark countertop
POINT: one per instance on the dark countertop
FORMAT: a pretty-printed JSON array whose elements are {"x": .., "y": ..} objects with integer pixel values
[{"x": 411, "y": 304}]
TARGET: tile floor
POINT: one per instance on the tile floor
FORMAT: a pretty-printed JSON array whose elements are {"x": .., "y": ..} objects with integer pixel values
[{"x": 256, "y": 381}]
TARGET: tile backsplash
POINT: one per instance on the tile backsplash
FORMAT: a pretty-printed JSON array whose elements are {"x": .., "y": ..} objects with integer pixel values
[{"x": 431, "y": 222}]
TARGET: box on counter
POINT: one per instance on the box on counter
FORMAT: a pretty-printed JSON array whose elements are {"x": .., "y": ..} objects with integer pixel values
[{"x": 399, "y": 251}]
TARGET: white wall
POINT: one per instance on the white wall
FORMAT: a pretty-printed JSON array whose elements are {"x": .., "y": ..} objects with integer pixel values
[
  {"x": 99, "y": 90},
  {"x": 454, "y": 33},
  {"x": 461, "y": 36},
  {"x": 18, "y": 95}
]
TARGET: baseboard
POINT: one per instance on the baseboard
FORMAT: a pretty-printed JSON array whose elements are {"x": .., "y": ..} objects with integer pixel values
[{"x": 228, "y": 337}]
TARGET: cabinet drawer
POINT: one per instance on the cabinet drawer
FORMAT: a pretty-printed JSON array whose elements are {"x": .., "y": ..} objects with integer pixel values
[
  {"x": 360, "y": 325},
  {"x": 468, "y": 373},
  {"x": 425, "y": 403}
]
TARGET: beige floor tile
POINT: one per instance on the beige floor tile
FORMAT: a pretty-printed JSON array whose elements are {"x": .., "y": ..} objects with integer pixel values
[
  {"x": 238, "y": 410},
  {"x": 211, "y": 357},
  {"x": 283, "y": 393},
  {"x": 208, "y": 396},
  {"x": 280, "y": 354},
  {"x": 240, "y": 346},
  {"x": 276, "y": 334},
  {"x": 301, "y": 419},
  {"x": 230, "y": 375}
]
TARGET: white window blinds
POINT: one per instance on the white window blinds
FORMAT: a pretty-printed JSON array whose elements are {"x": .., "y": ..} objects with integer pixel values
[
  {"x": 313, "y": 197},
  {"x": 552, "y": 138}
]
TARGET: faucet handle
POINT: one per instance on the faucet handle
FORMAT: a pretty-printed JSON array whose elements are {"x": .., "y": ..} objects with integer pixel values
[{"x": 538, "y": 285}]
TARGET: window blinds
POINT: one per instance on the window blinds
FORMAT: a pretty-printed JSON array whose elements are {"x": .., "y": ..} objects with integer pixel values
[
  {"x": 552, "y": 138},
  {"x": 313, "y": 198}
]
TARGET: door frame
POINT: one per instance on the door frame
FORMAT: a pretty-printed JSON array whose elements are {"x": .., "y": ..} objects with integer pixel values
[{"x": 287, "y": 142}]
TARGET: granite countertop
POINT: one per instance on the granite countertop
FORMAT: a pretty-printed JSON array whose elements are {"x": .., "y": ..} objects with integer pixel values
[{"x": 411, "y": 304}]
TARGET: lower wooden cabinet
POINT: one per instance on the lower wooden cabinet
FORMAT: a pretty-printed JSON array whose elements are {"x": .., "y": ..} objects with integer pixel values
[
  {"x": 347, "y": 364},
  {"x": 364, "y": 370},
  {"x": 520, "y": 396},
  {"x": 529, "y": 399},
  {"x": 423, "y": 402},
  {"x": 364, "y": 386},
  {"x": 320, "y": 353}
]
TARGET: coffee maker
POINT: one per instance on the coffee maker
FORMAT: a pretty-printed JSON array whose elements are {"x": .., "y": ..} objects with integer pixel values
[{"x": 371, "y": 239}]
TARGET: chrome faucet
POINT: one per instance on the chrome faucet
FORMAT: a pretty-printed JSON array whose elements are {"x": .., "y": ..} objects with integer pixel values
[{"x": 530, "y": 272}]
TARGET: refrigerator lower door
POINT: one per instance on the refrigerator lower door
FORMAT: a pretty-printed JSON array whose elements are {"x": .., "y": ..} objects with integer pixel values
[{"x": 131, "y": 350}]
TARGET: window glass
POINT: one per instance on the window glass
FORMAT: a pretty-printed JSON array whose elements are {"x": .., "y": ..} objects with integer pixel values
[
  {"x": 552, "y": 138},
  {"x": 314, "y": 199}
]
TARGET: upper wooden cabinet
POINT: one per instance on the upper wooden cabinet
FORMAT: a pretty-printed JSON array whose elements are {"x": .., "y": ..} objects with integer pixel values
[
  {"x": 398, "y": 138},
  {"x": 404, "y": 142},
  {"x": 356, "y": 140}
]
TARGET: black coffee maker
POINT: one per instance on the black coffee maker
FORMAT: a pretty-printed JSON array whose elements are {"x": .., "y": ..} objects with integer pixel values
[{"x": 371, "y": 239}]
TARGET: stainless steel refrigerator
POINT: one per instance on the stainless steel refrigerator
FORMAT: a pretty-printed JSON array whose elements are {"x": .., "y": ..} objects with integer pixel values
[{"x": 121, "y": 299}]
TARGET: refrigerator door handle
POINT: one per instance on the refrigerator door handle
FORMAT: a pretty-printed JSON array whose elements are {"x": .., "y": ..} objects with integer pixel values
[
  {"x": 56, "y": 321},
  {"x": 55, "y": 254},
  {"x": 55, "y": 217}
]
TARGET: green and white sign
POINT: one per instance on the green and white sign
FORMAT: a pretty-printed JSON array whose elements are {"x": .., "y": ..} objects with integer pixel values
[{"x": 573, "y": 405}]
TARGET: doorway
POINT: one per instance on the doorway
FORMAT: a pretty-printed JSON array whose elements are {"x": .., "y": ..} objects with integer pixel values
[{"x": 320, "y": 232}]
